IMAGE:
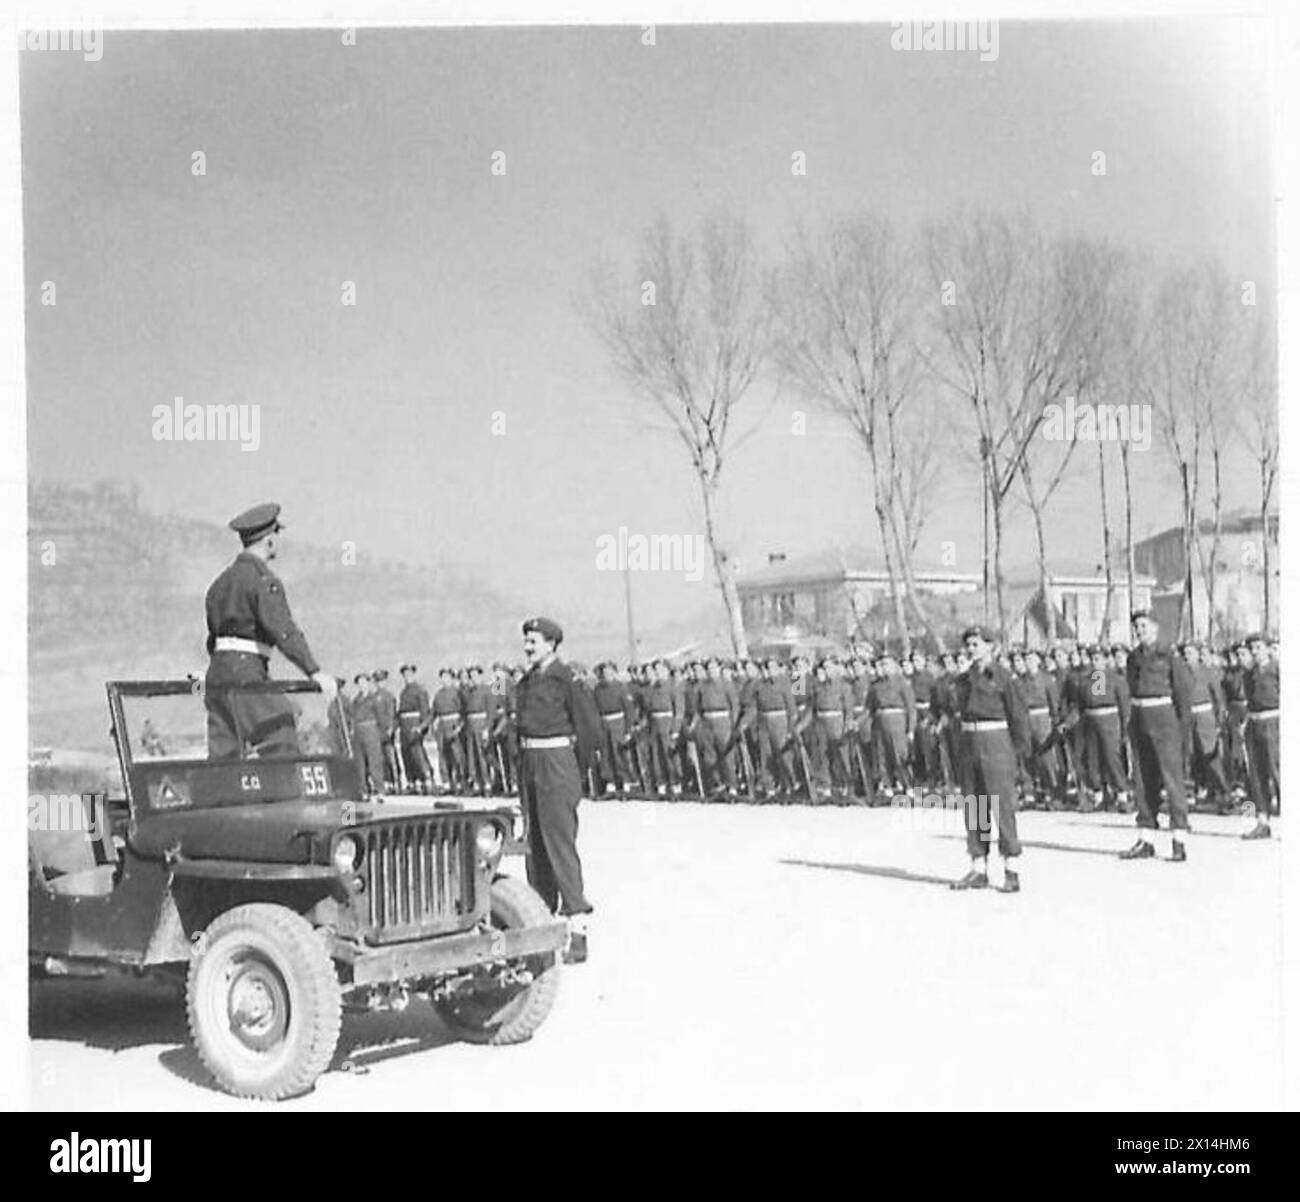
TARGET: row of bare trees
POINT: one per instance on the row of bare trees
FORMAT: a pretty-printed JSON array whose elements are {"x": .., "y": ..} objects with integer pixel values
[{"x": 965, "y": 336}]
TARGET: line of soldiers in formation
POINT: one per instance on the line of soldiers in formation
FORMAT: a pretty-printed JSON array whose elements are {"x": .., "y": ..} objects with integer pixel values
[{"x": 859, "y": 728}]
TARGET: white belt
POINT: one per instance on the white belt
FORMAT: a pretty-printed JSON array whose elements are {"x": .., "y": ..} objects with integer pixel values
[
  {"x": 890, "y": 709},
  {"x": 661, "y": 713},
  {"x": 1146, "y": 703},
  {"x": 1040, "y": 709},
  {"x": 228, "y": 642},
  {"x": 717, "y": 713},
  {"x": 549, "y": 743},
  {"x": 1102, "y": 711},
  {"x": 616, "y": 717},
  {"x": 1262, "y": 715},
  {"x": 978, "y": 727},
  {"x": 1202, "y": 707}
]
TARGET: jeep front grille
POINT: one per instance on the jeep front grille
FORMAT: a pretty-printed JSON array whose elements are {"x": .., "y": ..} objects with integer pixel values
[{"x": 420, "y": 878}]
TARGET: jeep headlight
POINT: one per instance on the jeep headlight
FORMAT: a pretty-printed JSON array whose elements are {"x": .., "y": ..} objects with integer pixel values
[
  {"x": 347, "y": 853},
  {"x": 489, "y": 841}
]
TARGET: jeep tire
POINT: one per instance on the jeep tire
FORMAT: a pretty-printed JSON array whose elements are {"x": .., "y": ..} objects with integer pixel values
[
  {"x": 263, "y": 1002},
  {"x": 508, "y": 1016}
]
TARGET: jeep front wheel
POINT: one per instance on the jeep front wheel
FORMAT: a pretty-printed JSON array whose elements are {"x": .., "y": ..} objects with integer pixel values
[
  {"x": 263, "y": 1001},
  {"x": 510, "y": 1014}
]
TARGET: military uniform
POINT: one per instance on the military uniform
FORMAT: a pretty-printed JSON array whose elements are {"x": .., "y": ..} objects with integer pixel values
[
  {"x": 366, "y": 726},
  {"x": 774, "y": 712},
  {"x": 247, "y": 616},
  {"x": 386, "y": 706},
  {"x": 616, "y": 709},
  {"x": 893, "y": 718},
  {"x": 994, "y": 727},
  {"x": 717, "y": 713},
  {"x": 551, "y": 720},
  {"x": 445, "y": 708},
  {"x": 1262, "y": 736},
  {"x": 1103, "y": 701},
  {"x": 414, "y": 714},
  {"x": 664, "y": 722},
  {"x": 1160, "y": 686},
  {"x": 478, "y": 710}
]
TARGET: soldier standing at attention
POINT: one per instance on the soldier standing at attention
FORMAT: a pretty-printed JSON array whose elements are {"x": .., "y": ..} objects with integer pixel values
[
  {"x": 1160, "y": 686},
  {"x": 1262, "y": 735},
  {"x": 248, "y": 615},
  {"x": 365, "y": 726},
  {"x": 1204, "y": 756},
  {"x": 717, "y": 711},
  {"x": 446, "y": 729},
  {"x": 386, "y": 706},
  {"x": 993, "y": 726},
  {"x": 614, "y": 704},
  {"x": 664, "y": 714},
  {"x": 551, "y": 720},
  {"x": 503, "y": 725},
  {"x": 413, "y": 715},
  {"x": 893, "y": 713},
  {"x": 1103, "y": 699}
]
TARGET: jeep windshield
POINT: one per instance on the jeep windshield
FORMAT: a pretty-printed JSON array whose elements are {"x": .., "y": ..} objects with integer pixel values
[{"x": 166, "y": 721}]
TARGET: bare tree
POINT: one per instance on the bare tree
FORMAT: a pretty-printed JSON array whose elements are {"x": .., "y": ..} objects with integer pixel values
[
  {"x": 843, "y": 308},
  {"x": 1258, "y": 424},
  {"x": 1006, "y": 336},
  {"x": 1192, "y": 361},
  {"x": 687, "y": 334}
]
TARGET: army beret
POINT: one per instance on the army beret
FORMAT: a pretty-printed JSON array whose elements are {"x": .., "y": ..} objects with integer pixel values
[
  {"x": 408, "y": 668},
  {"x": 549, "y": 630},
  {"x": 977, "y": 632},
  {"x": 1141, "y": 613},
  {"x": 253, "y": 523},
  {"x": 360, "y": 676},
  {"x": 380, "y": 674},
  {"x": 1257, "y": 637}
]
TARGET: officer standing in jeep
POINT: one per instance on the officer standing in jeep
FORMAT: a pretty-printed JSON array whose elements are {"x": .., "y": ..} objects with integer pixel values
[{"x": 248, "y": 615}]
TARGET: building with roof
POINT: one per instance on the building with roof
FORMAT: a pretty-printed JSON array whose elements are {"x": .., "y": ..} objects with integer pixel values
[
  {"x": 1239, "y": 583},
  {"x": 842, "y": 594}
]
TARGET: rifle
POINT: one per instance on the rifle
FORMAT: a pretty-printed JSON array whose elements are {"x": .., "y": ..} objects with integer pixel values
[
  {"x": 747, "y": 766},
  {"x": 693, "y": 754}
]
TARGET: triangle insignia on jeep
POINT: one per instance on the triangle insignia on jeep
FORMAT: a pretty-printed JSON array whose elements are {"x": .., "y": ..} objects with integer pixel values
[{"x": 164, "y": 795}]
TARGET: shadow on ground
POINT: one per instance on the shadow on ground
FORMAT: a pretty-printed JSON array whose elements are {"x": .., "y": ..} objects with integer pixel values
[{"x": 886, "y": 871}]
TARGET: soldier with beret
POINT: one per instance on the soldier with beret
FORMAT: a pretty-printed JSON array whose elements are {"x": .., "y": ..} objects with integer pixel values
[
  {"x": 248, "y": 616},
  {"x": 366, "y": 719},
  {"x": 553, "y": 724},
  {"x": 1263, "y": 735},
  {"x": 994, "y": 727},
  {"x": 386, "y": 707},
  {"x": 413, "y": 716},
  {"x": 446, "y": 706},
  {"x": 1161, "y": 688}
]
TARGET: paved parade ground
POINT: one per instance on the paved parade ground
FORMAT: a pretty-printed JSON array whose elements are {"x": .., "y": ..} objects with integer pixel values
[{"x": 794, "y": 957}]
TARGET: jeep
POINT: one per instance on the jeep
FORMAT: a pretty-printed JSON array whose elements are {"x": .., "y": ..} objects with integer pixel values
[{"x": 277, "y": 895}]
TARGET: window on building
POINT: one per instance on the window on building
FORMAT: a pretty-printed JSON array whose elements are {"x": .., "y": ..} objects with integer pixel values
[{"x": 783, "y": 608}]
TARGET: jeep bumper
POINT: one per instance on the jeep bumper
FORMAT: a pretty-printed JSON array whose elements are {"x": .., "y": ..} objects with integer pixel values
[{"x": 450, "y": 953}]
